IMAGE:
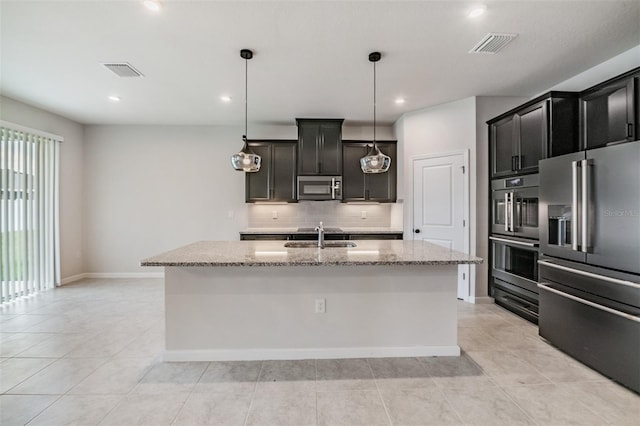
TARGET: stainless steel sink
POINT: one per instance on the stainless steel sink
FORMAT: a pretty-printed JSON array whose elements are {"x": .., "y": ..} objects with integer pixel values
[{"x": 312, "y": 244}]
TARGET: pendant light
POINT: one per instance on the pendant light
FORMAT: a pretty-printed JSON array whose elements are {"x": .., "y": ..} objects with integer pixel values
[
  {"x": 246, "y": 160},
  {"x": 375, "y": 161}
]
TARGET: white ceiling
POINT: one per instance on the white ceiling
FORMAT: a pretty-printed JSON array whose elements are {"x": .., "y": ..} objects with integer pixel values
[{"x": 310, "y": 57}]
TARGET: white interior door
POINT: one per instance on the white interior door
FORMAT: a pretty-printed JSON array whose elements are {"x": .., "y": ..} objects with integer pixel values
[{"x": 441, "y": 206}]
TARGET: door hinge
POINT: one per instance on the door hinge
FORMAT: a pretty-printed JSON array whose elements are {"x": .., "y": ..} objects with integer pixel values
[{"x": 464, "y": 223}]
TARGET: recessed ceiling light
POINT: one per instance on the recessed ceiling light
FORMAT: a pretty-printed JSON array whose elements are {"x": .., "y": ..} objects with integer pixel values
[
  {"x": 152, "y": 5},
  {"x": 114, "y": 98},
  {"x": 225, "y": 98},
  {"x": 477, "y": 11},
  {"x": 400, "y": 101}
]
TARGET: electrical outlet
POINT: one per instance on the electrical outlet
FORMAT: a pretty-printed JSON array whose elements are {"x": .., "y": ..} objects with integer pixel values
[
  {"x": 321, "y": 306},
  {"x": 274, "y": 214},
  {"x": 363, "y": 214}
]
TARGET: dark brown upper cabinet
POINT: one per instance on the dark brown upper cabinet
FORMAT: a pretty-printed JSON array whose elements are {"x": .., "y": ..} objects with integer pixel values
[
  {"x": 609, "y": 111},
  {"x": 358, "y": 186},
  {"x": 543, "y": 127},
  {"x": 276, "y": 179},
  {"x": 319, "y": 146}
]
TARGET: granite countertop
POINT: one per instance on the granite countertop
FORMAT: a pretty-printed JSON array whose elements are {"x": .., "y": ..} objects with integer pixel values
[
  {"x": 328, "y": 230},
  {"x": 274, "y": 253}
]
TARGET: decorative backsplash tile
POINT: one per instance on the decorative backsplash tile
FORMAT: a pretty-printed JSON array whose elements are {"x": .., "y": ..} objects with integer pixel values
[{"x": 309, "y": 213}]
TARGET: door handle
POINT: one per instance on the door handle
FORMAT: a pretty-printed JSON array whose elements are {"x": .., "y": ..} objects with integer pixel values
[
  {"x": 417, "y": 231},
  {"x": 586, "y": 237},
  {"x": 506, "y": 211},
  {"x": 574, "y": 205},
  {"x": 625, "y": 315}
]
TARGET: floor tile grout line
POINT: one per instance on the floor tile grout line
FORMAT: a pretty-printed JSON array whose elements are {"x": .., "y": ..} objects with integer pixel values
[
  {"x": 375, "y": 381},
  {"x": 518, "y": 405},
  {"x": 175, "y": 416},
  {"x": 253, "y": 394},
  {"x": 453, "y": 408},
  {"x": 44, "y": 409}
]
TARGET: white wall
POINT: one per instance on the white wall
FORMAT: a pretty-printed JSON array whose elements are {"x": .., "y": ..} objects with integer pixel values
[
  {"x": 154, "y": 188},
  {"x": 71, "y": 171},
  {"x": 455, "y": 126}
]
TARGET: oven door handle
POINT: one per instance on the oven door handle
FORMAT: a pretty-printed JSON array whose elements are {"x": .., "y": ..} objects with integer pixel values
[
  {"x": 546, "y": 287},
  {"x": 507, "y": 210},
  {"x": 520, "y": 243},
  {"x": 589, "y": 274}
]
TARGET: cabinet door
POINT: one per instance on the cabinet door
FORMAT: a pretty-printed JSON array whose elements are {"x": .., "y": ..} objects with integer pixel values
[
  {"x": 531, "y": 133},
  {"x": 609, "y": 114},
  {"x": 330, "y": 151},
  {"x": 353, "y": 180},
  {"x": 502, "y": 134},
  {"x": 283, "y": 172},
  {"x": 258, "y": 184},
  {"x": 276, "y": 179},
  {"x": 381, "y": 187},
  {"x": 308, "y": 148}
]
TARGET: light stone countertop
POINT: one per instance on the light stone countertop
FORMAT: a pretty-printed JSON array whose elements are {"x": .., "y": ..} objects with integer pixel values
[
  {"x": 273, "y": 253},
  {"x": 343, "y": 230}
]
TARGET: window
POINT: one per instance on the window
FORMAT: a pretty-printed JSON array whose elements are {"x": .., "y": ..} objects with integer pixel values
[{"x": 29, "y": 233}]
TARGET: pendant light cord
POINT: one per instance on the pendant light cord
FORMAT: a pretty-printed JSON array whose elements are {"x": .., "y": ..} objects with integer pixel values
[
  {"x": 246, "y": 90},
  {"x": 374, "y": 105}
]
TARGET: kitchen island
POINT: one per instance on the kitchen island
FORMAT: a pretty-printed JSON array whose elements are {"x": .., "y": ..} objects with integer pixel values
[{"x": 248, "y": 300}]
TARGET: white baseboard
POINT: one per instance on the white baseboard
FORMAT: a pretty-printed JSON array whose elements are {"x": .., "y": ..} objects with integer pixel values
[
  {"x": 78, "y": 277},
  {"x": 72, "y": 278},
  {"x": 482, "y": 300},
  {"x": 124, "y": 275},
  {"x": 310, "y": 353}
]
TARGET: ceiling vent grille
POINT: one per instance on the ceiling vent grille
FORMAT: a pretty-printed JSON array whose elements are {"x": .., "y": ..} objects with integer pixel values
[
  {"x": 493, "y": 42},
  {"x": 122, "y": 69}
]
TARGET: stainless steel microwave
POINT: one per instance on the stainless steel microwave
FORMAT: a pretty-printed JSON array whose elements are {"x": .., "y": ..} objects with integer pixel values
[{"x": 319, "y": 187}]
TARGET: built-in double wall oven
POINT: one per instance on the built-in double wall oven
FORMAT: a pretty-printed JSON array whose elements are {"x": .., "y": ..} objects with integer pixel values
[{"x": 514, "y": 244}]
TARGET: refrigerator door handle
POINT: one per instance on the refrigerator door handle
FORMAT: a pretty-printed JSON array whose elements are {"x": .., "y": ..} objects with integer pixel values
[
  {"x": 546, "y": 287},
  {"x": 574, "y": 205},
  {"x": 589, "y": 274},
  {"x": 586, "y": 201}
]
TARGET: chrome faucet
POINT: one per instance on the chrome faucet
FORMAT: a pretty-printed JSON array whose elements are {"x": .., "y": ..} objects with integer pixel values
[{"x": 320, "y": 231}]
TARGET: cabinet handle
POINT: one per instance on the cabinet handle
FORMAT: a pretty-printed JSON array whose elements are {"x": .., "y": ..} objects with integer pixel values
[
  {"x": 630, "y": 130},
  {"x": 513, "y": 163},
  {"x": 366, "y": 194}
]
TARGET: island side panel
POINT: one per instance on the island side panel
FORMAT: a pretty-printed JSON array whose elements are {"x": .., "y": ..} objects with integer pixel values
[{"x": 244, "y": 313}]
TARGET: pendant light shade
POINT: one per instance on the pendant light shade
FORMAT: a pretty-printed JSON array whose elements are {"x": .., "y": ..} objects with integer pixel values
[
  {"x": 375, "y": 161},
  {"x": 246, "y": 160}
]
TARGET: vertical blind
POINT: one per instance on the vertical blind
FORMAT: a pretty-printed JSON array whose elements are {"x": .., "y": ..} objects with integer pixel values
[{"x": 29, "y": 231}]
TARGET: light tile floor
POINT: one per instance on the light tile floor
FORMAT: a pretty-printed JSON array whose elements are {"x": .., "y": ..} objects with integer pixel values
[{"x": 88, "y": 353}]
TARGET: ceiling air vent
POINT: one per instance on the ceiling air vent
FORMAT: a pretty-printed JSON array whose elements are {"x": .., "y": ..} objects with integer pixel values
[
  {"x": 122, "y": 69},
  {"x": 492, "y": 43}
]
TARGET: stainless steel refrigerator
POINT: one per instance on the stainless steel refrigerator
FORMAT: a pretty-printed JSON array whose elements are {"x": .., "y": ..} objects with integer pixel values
[{"x": 589, "y": 268}]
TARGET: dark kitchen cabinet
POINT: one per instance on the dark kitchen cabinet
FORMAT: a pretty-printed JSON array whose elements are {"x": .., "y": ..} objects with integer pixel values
[
  {"x": 276, "y": 179},
  {"x": 544, "y": 127},
  {"x": 319, "y": 146},
  {"x": 358, "y": 186},
  {"x": 609, "y": 111}
]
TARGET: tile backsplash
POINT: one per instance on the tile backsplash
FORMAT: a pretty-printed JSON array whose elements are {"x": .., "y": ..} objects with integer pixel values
[{"x": 309, "y": 213}]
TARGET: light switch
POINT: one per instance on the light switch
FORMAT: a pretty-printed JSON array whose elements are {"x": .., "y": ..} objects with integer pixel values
[
  {"x": 363, "y": 214},
  {"x": 274, "y": 214}
]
